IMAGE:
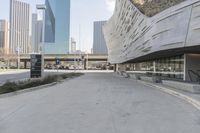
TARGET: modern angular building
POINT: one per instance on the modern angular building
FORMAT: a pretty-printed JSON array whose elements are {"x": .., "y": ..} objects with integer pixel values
[
  {"x": 99, "y": 44},
  {"x": 164, "y": 42},
  {"x": 57, "y": 26},
  {"x": 4, "y": 41},
  {"x": 36, "y": 35},
  {"x": 20, "y": 26}
]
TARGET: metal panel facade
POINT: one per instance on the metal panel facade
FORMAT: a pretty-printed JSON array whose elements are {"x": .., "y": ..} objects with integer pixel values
[{"x": 130, "y": 34}]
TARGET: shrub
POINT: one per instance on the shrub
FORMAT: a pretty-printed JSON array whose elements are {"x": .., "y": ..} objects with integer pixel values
[
  {"x": 8, "y": 87},
  {"x": 15, "y": 86}
]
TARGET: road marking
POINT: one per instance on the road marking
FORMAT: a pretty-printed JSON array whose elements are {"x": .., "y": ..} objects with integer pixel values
[{"x": 186, "y": 98}]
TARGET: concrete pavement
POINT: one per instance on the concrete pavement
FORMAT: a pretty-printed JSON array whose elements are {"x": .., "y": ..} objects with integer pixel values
[{"x": 97, "y": 103}]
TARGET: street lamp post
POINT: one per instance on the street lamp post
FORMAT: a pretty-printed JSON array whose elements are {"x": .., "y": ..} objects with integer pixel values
[
  {"x": 18, "y": 51},
  {"x": 18, "y": 57},
  {"x": 43, "y": 8},
  {"x": 87, "y": 60}
]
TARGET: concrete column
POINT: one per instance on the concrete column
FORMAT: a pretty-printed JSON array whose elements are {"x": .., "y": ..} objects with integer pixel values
[
  {"x": 85, "y": 64},
  {"x": 25, "y": 64},
  {"x": 137, "y": 67},
  {"x": 115, "y": 68},
  {"x": 154, "y": 66}
]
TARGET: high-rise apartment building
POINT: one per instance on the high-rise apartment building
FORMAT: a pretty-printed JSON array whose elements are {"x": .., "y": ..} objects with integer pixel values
[
  {"x": 99, "y": 44},
  {"x": 4, "y": 45},
  {"x": 57, "y": 26},
  {"x": 20, "y": 26},
  {"x": 36, "y": 34},
  {"x": 73, "y": 45}
]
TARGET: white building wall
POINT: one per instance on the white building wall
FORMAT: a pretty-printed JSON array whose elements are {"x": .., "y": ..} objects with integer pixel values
[{"x": 4, "y": 46}]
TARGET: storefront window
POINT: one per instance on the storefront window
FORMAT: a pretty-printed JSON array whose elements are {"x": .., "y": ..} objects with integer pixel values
[{"x": 171, "y": 67}]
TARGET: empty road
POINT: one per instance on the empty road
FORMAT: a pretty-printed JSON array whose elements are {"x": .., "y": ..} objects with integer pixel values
[
  {"x": 97, "y": 103},
  {"x": 14, "y": 76},
  {"x": 17, "y": 75}
]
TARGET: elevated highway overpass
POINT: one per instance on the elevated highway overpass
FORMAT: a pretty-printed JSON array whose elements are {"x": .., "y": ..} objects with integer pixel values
[{"x": 67, "y": 58}]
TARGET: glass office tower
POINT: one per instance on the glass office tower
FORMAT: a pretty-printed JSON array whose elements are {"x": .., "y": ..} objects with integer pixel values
[{"x": 57, "y": 26}]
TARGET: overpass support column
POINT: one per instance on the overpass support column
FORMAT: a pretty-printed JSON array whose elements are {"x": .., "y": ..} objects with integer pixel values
[
  {"x": 116, "y": 67},
  {"x": 25, "y": 64},
  {"x": 85, "y": 64}
]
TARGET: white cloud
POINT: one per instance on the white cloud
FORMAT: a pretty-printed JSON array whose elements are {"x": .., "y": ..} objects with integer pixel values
[{"x": 110, "y": 5}]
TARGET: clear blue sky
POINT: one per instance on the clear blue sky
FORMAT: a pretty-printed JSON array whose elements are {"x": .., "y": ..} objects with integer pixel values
[{"x": 83, "y": 13}]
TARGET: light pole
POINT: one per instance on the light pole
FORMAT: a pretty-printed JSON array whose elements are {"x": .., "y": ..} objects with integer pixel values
[
  {"x": 18, "y": 51},
  {"x": 74, "y": 62},
  {"x": 18, "y": 57},
  {"x": 87, "y": 60},
  {"x": 43, "y": 8}
]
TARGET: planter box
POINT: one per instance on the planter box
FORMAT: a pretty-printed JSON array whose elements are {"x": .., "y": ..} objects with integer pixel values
[
  {"x": 153, "y": 79},
  {"x": 134, "y": 76}
]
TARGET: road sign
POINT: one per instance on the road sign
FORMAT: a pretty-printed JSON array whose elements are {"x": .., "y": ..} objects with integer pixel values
[
  {"x": 36, "y": 66},
  {"x": 57, "y": 62}
]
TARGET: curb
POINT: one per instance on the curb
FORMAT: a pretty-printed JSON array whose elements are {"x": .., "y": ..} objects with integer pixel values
[
  {"x": 27, "y": 90},
  {"x": 186, "y": 98}
]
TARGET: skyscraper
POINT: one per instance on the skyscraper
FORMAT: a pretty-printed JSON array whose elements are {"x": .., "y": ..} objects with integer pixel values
[
  {"x": 4, "y": 46},
  {"x": 57, "y": 26},
  {"x": 36, "y": 34},
  {"x": 73, "y": 45},
  {"x": 99, "y": 44},
  {"x": 20, "y": 26}
]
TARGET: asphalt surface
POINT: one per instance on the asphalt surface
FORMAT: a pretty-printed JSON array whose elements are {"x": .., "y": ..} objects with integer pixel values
[
  {"x": 97, "y": 103},
  {"x": 20, "y": 76},
  {"x": 14, "y": 76}
]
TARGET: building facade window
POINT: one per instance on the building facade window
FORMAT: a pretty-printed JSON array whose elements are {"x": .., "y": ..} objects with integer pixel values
[{"x": 171, "y": 67}]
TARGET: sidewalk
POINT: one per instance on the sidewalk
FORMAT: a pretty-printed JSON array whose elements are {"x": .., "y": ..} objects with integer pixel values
[
  {"x": 195, "y": 96},
  {"x": 191, "y": 95},
  {"x": 191, "y": 98},
  {"x": 97, "y": 103},
  {"x": 187, "y": 96}
]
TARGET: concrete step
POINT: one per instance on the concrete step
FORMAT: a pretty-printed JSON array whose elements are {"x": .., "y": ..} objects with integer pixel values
[{"x": 192, "y": 88}]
